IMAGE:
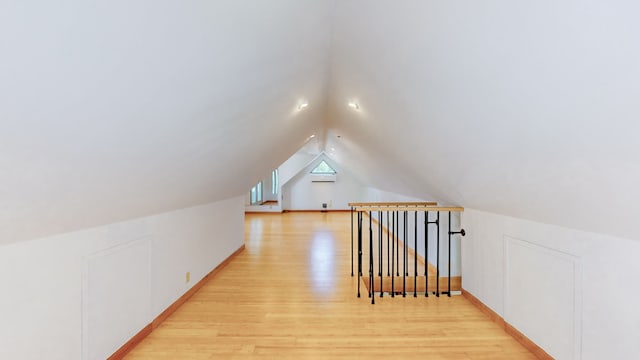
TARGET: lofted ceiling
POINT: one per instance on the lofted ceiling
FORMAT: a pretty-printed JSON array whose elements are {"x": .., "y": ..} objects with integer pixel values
[
  {"x": 527, "y": 109},
  {"x": 121, "y": 109},
  {"x": 111, "y": 110}
]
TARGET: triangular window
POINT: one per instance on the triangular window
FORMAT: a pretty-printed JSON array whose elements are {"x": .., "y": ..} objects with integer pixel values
[{"x": 323, "y": 168}]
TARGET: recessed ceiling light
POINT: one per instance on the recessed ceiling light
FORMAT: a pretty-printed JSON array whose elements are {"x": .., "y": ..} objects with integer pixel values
[
  {"x": 303, "y": 105},
  {"x": 354, "y": 105},
  {"x": 333, "y": 149}
]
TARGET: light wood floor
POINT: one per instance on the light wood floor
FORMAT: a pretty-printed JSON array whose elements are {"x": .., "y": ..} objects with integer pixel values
[{"x": 290, "y": 295}]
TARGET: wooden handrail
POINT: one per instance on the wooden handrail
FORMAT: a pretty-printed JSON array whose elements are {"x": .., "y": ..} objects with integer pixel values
[
  {"x": 410, "y": 208},
  {"x": 404, "y": 206},
  {"x": 378, "y": 204}
]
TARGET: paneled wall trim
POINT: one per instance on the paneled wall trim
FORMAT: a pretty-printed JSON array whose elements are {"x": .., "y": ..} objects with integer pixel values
[
  {"x": 145, "y": 331},
  {"x": 515, "y": 333},
  {"x": 111, "y": 293},
  {"x": 542, "y": 292}
]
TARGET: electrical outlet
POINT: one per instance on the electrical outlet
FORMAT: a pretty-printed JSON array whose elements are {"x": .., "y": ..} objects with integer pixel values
[{"x": 187, "y": 277}]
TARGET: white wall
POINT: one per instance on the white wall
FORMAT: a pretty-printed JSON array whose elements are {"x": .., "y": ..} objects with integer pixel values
[
  {"x": 267, "y": 195},
  {"x": 120, "y": 110},
  {"x": 495, "y": 105},
  {"x": 55, "y": 287},
  {"x": 377, "y": 195},
  {"x": 574, "y": 293},
  {"x": 291, "y": 167},
  {"x": 294, "y": 165},
  {"x": 300, "y": 193}
]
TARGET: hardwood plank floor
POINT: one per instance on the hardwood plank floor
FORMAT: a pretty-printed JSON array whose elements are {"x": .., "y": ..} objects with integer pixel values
[{"x": 290, "y": 295}]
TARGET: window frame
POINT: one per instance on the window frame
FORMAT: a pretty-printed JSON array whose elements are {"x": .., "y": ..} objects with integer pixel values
[
  {"x": 275, "y": 182},
  {"x": 321, "y": 172},
  {"x": 257, "y": 191}
]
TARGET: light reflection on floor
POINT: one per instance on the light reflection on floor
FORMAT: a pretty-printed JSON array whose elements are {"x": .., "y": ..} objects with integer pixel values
[
  {"x": 255, "y": 233},
  {"x": 321, "y": 258}
]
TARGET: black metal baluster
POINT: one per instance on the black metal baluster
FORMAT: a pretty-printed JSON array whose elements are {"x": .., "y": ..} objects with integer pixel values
[
  {"x": 380, "y": 267},
  {"x": 361, "y": 246},
  {"x": 449, "y": 260},
  {"x": 371, "y": 270},
  {"x": 369, "y": 256},
  {"x": 359, "y": 249},
  {"x": 397, "y": 243},
  {"x": 404, "y": 257},
  {"x": 379, "y": 243},
  {"x": 406, "y": 242},
  {"x": 352, "y": 241},
  {"x": 426, "y": 254},
  {"x": 388, "y": 234},
  {"x": 438, "y": 256},
  {"x": 393, "y": 245},
  {"x": 426, "y": 248},
  {"x": 415, "y": 254}
]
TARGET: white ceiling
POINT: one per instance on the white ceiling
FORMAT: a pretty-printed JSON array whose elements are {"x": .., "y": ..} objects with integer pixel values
[
  {"x": 528, "y": 109},
  {"x": 111, "y": 110},
  {"x": 120, "y": 109}
]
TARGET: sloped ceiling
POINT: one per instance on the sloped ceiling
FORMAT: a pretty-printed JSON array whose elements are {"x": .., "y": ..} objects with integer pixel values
[
  {"x": 120, "y": 109},
  {"x": 528, "y": 109},
  {"x": 111, "y": 110}
]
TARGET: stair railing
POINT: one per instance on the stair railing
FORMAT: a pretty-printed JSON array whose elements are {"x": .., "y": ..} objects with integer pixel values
[{"x": 397, "y": 218}]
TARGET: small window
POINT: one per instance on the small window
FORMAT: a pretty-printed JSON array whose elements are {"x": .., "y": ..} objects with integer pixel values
[
  {"x": 256, "y": 194},
  {"x": 323, "y": 168},
  {"x": 274, "y": 182}
]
